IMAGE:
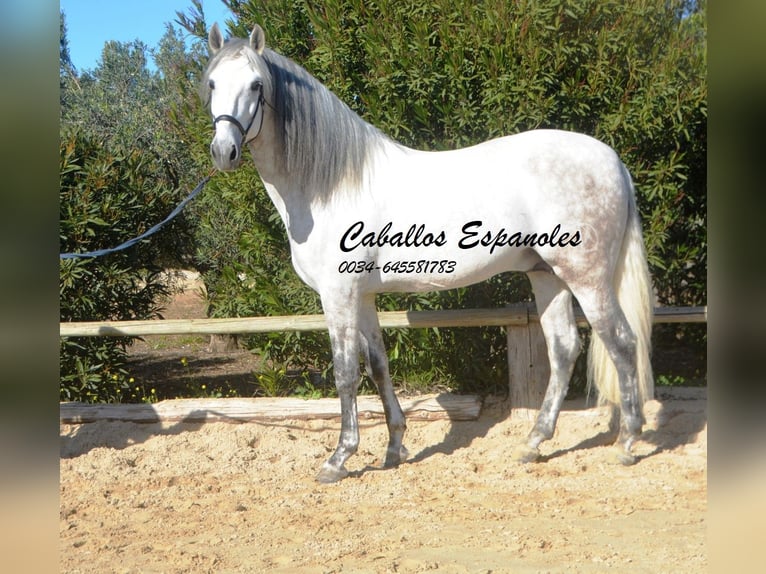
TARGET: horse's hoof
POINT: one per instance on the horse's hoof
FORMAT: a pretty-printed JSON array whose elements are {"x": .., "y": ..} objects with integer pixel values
[
  {"x": 394, "y": 457},
  {"x": 619, "y": 456},
  {"x": 330, "y": 474},
  {"x": 525, "y": 453}
]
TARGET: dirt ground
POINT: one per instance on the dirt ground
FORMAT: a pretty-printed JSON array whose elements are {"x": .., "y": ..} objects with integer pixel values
[{"x": 225, "y": 498}]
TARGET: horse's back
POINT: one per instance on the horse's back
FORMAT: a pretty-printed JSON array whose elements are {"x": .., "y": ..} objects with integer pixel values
[
  {"x": 549, "y": 153},
  {"x": 538, "y": 173}
]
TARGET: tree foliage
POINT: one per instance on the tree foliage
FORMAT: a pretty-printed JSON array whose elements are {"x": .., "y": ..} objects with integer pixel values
[
  {"x": 123, "y": 167},
  {"x": 124, "y": 103},
  {"x": 105, "y": 198}
]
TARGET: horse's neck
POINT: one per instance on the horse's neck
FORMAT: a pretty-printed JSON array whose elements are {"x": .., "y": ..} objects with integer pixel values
[
  {"x": 264, "y": 155},
  {"x": 295, "y": 205},
  {"x": 290, "y": 202},
  {"x": 268, "y": 164}
]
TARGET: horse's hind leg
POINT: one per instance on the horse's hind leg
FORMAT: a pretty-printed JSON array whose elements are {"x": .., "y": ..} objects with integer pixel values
[
  {"x": 608, "y": 321},
  {"x": 554, "y": 304},
  {"x": 375, "y": 358}
]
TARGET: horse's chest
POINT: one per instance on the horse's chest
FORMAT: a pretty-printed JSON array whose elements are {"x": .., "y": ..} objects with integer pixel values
[{"x": 305, "y": 264}]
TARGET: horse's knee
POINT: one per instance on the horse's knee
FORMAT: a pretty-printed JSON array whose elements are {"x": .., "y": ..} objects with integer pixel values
[{"x": 346, "y": 387}]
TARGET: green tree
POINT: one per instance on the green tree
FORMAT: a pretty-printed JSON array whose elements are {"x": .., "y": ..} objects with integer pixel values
[
  {"x": 106, "y": 196},
  {"x": 67, "y": 72},
  {"x": 122, "y": 102},
  {"x": 124, "y": 165},
  {"x": 65, "y": 60}
]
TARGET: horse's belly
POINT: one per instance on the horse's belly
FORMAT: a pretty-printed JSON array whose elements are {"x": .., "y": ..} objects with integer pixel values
[{"x": 448, "y": 270}]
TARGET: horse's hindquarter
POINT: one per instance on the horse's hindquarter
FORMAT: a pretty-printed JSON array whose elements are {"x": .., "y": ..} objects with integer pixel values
[{"x": 438, "y": 220}]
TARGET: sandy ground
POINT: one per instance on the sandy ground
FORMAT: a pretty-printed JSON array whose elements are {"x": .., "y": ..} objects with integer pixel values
[{"x": 223, "y": 497}]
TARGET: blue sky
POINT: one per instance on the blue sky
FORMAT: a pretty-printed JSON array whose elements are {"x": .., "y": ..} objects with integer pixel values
[{"x": 90, "y": 23}]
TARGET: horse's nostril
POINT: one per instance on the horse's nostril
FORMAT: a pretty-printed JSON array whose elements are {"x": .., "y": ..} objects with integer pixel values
[{"x": 233, "y": 154}]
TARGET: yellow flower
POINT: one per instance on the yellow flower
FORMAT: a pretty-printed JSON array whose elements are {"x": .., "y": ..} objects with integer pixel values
[
  {"x": 184, "y": 362},
  {"x": 131, "y": 380}
]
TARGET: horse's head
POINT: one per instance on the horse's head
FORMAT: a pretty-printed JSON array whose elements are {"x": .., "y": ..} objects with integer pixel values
[{"x": 234, "y": 86}]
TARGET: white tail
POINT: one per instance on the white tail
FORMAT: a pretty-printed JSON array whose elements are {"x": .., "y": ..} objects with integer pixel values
[{"x": 634, "y": 294}]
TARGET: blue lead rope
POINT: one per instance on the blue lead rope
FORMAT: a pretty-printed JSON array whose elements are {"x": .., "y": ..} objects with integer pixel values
[{"x": 147, "y": 233}]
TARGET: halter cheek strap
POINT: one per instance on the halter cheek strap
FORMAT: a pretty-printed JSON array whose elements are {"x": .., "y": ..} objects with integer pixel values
[{"x": 244, "y": 130}]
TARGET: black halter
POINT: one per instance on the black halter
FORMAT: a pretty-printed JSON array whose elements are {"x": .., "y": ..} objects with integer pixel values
[{"x": 244, "y": 130}]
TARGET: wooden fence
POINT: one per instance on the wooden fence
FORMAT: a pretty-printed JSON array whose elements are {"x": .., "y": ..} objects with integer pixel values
[
  {"x": 520, "y": 314},
  {"x": 527, "y": 357}
]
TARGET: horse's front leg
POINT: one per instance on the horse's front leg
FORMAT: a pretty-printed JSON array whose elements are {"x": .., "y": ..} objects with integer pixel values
[
  {"x": 374, "y": 353},
  {"x": 344, "y": 337}
]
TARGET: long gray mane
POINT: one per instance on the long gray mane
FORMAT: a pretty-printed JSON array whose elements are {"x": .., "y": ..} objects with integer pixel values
[{"x": 321, "y": 139}]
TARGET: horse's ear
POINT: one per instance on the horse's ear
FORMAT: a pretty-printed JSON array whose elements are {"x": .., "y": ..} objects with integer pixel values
[
  {"x": 215, "y": 39},
  {"x": 258, "y": 39}
]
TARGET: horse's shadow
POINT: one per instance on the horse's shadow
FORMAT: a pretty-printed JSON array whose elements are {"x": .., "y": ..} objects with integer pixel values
[
  {"x": 460, "y": 435},
  {"x": 678, "y": 422},
  {"x": 680, "y": 419}
]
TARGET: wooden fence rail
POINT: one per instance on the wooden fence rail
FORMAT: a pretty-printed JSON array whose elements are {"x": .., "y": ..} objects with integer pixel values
[
  {"x": 514, "y": 315},
  {"x": 528, "y": 368}
]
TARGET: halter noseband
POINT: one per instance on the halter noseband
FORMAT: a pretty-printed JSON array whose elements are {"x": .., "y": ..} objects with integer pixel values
[{"x": 244, "y": 130}]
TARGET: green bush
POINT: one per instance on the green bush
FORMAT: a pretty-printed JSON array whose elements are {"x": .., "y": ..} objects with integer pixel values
[{"x": 106, "y": 197}]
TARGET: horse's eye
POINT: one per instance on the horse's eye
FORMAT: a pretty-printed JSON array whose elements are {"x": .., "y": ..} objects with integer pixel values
[
  {"x": 256, "y": 85},
  {"x": 211, "y": 84}
]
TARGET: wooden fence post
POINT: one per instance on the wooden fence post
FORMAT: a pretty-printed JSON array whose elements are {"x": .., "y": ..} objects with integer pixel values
[{"x": 528, "y": 367}]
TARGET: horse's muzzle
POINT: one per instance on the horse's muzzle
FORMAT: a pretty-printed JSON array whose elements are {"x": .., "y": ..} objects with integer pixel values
[{"x": 226, "y": 154}]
